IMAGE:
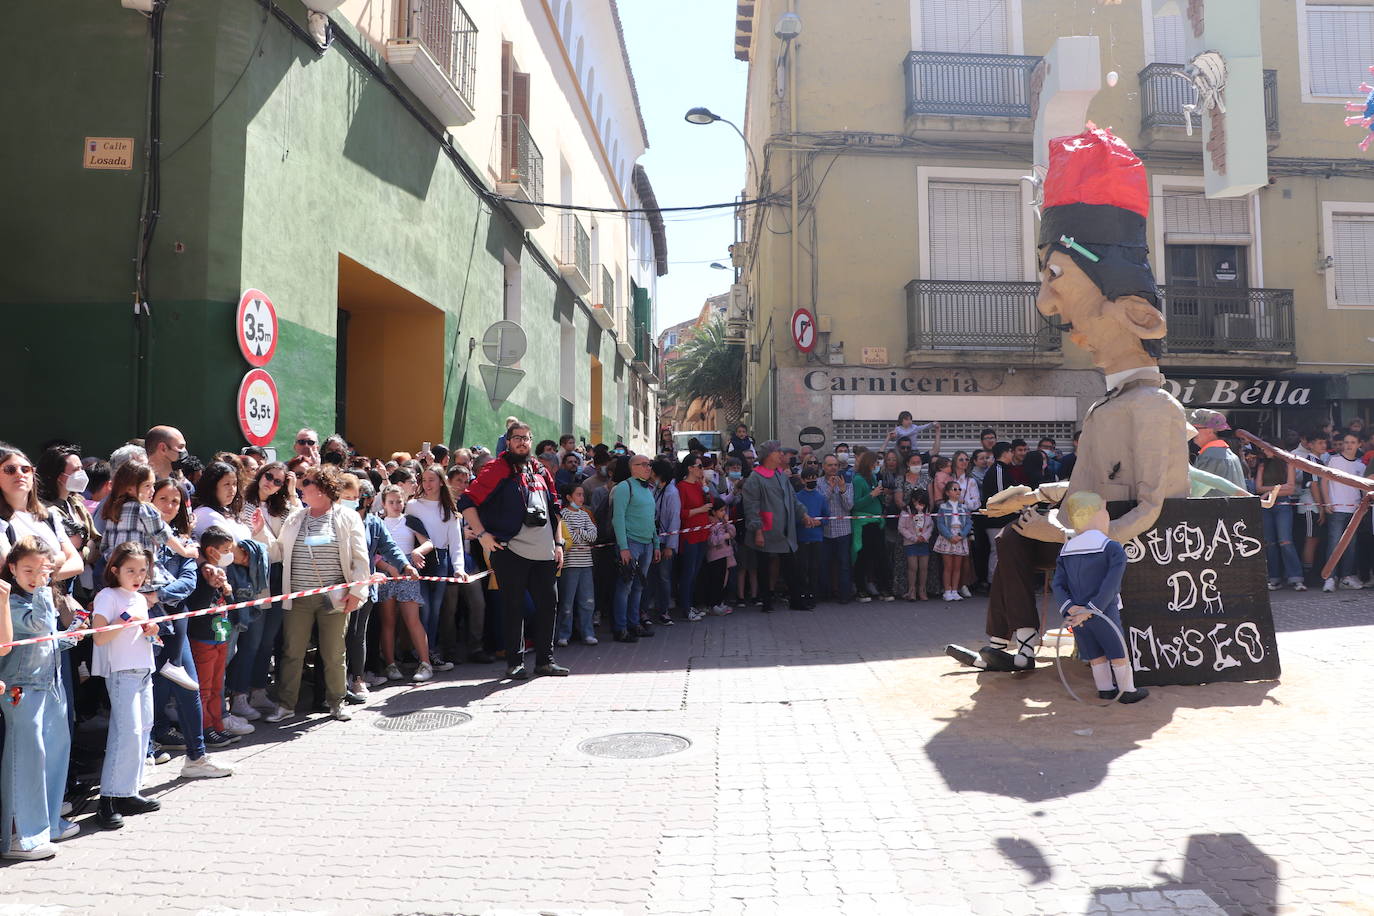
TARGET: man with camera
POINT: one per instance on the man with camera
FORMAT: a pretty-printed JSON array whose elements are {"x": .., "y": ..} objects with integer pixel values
[{"x": 512, "y": 508}]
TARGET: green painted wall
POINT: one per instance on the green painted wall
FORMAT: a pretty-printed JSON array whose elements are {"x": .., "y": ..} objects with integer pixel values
[{"x": 306, "y": 157}]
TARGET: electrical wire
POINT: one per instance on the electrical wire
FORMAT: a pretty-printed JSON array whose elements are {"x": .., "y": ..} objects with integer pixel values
[{"x": 586, "y": 209}]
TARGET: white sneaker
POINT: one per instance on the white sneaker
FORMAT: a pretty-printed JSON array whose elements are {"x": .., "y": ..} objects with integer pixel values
[
  {"x": 964, "y": 592},
  {"x": 203, "y": 769},
  {"x": 359, "y": 686},
  {"x": 373, "y": 680},
  {"x": 158, "y": 757},
  {"x": 66, "y": 808},
  {"x": 243, "y": 709},
  {"x": 233, "y": 725},
  {"x": 422, "y": 674},
  {"x": 1329, "y": 585},
  {"x": 258, "y": 699},
  {"x": 340, "y": 711},
  {"x": 393, "y": 672},
  {"x": 179, "y": 676},
  {"x": 1299, "y": 586},
  {"x": 67, "y": 831},
  {"x": 41, "y": 851},
  {"x": 721, "y": 610},
  {"x": 948, "y": 595},
  {"x": 695, "y": 616},
  {"x": 1275, "y": 584},
  {"x": 1351, "y": 582},
  {"x": 561, "y": 643},
  {"x": 589, "y": 640},
  {"x": 279, "y": 714}
]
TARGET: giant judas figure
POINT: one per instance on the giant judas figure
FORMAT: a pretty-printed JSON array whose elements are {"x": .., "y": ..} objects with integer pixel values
[{"x": 1095, "y": 276}]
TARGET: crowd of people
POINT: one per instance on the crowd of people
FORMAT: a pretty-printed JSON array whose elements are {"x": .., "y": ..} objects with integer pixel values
[{"x": 417, "y": 563}]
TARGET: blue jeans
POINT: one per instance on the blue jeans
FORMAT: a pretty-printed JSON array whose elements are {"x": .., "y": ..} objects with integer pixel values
[
  {"x": 244, "y": 657},
  {"x": 660, "y": 585},
  {"x": 836, "y": 567},
  {"x": 434, "y": 596},
  {"x": 1282, "y": 556},
  {"x": 1336, "y": 523},
  {"x": 189, "y": 715},
  {"x": 627, "y": 593},
  {"x": 34, "y": 769},
  {"x": 688, "y": 567},
  {"x": 575, "y": 589},
  {"x": 131, "y": 721}
]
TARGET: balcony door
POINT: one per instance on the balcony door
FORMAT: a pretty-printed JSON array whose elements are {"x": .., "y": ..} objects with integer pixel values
[
  {"x": 966, "y": 26},
  {"x": 1208, "y": 289}
]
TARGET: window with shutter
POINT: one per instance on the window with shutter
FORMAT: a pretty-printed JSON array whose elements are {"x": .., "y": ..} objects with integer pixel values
[
  {"x": 1340, "y": 48},
  {"x": 968, "y": 26},
  {"x": 1169, "y": 41},
  {"x": 975, "y": 231},
  {"x": 1189, "y": 216},
  {"x": 1352, "y": 237}
]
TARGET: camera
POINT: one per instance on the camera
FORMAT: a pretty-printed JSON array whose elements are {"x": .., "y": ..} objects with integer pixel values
[{"x": 536, "y": 517}]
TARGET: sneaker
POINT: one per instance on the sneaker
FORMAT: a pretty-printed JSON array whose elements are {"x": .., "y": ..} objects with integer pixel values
[
  {"x": 36, "y": 854},
  {"x": 243, "y": 709},
  {"x": 359, "y": 687},
  {"x": 158, "y": 757},
  {"x": 66, "y": 830},
  {"x": 215, "y": 738},
  {"x": 589, "y": 640},
  {"x": 644, "y": 631},
  {"x": 886, "y": 598},
  {"x": 238, "y": 727},
  {"x": 422, "y": 674},
  {"x": 626, "y": 636},
  {"x": 720, "y": 610},
  {"x": 171, "y": 740},
  {"x": 340, "y": 712},
  {"x": 1329, "y": 585},
  {"x": 203, "y": 769},
  {"x": 279, "y": 714},
  {"x": 1351, "y": 582},
  {"x": 179, "y": 676},
  {"x": 373, "y": 680},
  {"x": 964, "y": 592},
  {"x": 1275, "y": 585},
  {"x": 258, "y": 699},
  {"x": 439, "y": 663},
  {"x": 561, "y": 643},
  {"x": 1299, "y": 586},
  {"x": 393, "y": 673},
  {"x": 863, "y": 599},
  {"x": 665, "y": 620},
  {"x": 948, "y": 595},
  {"x": 66, "y": 808}
]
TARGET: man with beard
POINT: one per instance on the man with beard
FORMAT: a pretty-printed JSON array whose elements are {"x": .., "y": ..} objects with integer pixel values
[
  {"x": 513, "y": 510},
  {"x": 1094, "y": 273}
]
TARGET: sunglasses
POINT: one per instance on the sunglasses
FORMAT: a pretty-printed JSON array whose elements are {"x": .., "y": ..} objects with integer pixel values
[
  {"x": 305, "y": 442},
  {"x": 307, "y": 482},
  {"x": 272, "y": 478},
  {"x": 16, "y": 469}
]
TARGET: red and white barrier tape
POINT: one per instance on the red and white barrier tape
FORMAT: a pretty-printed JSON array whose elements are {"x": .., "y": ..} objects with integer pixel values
[{"x": 220, "y": 608}]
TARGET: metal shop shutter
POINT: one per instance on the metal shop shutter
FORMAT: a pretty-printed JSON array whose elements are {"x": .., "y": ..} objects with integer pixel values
[
  {"x": 975, "y": 231},
  {"x": 1353, "y": 240},
  {"x": 1340, "y": 48},
  {"x": 1189, "y": 216},
  {"x": 967, "y": 26}
]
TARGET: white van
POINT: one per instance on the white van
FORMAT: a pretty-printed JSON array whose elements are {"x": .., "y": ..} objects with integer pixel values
[{"x": 713, "y": 441}]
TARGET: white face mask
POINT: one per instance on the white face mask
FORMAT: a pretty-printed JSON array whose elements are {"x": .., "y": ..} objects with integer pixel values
[
  {"x": 349, "y": 503},
  {"x": 226, "y": 559},
  {"x": 77, "y": 481}
]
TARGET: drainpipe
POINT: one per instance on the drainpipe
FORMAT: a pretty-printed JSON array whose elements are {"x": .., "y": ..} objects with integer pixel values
[{"x": 794, "y": 260}]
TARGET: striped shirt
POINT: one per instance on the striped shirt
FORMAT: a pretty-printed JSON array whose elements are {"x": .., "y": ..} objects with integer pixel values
[
  {"x": 582, "y": 531},
  {"x": 318, "y": 565}
]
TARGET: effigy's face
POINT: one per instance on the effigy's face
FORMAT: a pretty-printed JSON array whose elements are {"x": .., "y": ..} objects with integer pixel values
[{"x": 1069, "y": 293}]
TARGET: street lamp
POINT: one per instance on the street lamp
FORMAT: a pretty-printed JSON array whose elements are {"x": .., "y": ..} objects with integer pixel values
[
  {"x": 716, "y": 265},
  {"x": 707, "y": 116}
]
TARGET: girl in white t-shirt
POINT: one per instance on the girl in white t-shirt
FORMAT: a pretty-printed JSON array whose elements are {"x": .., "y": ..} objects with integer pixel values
[
  {"x": 409, "y": 534},
  {"x": 125, "y": 659}
]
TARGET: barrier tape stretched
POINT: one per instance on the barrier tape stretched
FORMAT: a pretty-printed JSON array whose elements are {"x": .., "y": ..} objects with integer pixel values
[{"x": 221, "y": 608}]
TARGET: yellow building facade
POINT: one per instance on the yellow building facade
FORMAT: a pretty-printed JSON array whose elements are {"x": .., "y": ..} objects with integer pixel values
[{"x": 891, "y": 137}]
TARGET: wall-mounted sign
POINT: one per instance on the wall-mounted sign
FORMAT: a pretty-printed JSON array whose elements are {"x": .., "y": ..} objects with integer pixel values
[
  {"x": 108, "y": 153},
  {"x": 804, "y": 330},
  {"x": 1224, "y": 270},
  {"x": 258, "y": 407},
  {"x": 813, "y": 436},
  {"x": 893, "y": 382},
  {"x": 875, "y": 356},
  {"x": 1196, "y": 392},
  {"x": 255, "y": 326}
]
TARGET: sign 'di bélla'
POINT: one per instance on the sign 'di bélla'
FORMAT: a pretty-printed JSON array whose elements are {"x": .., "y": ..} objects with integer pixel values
[{"x": 1224, "y": 391}]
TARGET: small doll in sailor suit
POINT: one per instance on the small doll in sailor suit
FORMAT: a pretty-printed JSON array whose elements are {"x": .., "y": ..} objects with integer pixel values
[{"x": 1087, "y": 583}]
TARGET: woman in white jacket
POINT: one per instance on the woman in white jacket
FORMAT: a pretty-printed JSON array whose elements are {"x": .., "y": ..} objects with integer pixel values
[{"x": 319, "y": 545}]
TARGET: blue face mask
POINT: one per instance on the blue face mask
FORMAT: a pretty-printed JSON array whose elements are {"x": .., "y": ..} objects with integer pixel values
[
  {"x": 736, "y": 475},
  {"x": 349, "y": 503}
]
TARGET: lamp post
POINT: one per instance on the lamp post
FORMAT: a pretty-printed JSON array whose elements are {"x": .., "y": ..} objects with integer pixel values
[{"x": 707, "y": 116}]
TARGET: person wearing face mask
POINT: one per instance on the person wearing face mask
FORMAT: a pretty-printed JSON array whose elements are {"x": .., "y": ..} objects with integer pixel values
[
  {"x": 209, "y": 637},
  {"x": 809, "y": 538},
  {"x": 166, "y": 448},
  {"x": 694, "y": 524},
  {"x": 62, "y": 482}
]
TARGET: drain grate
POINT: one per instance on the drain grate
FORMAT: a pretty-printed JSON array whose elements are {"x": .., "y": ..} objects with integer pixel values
[
  {"x": 427, "y": 720},
  {"x": 634, "y": 745}
]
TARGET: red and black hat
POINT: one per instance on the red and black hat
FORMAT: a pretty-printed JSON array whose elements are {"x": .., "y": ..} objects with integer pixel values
[{"x": 1095, "y": 206}]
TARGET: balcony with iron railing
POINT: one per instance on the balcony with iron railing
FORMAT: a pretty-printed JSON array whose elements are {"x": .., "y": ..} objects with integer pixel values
[
  {"x": 435, "y": 55},
  {"x": 970, "y": 85},
  {"x": 521, "y": 175},
  {"x": 646, "y": 354},
  {"x": 1163, "y": 95},
  {"x": 996, "y": 322},
  {"x": 574, "y": 253},
  {"x": 603, "y": 301}
]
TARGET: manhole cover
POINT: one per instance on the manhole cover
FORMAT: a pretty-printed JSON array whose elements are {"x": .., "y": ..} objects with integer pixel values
[
  {"x": 428, "y": 720},
  {"x": 634, "y": 745}
]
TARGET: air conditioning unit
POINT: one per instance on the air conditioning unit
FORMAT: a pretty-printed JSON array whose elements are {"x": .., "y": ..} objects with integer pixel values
[
  {"x": 1238, "y": 329},
  {"x": 737, "y": 251},
  {"x": 739, "y": 303}
]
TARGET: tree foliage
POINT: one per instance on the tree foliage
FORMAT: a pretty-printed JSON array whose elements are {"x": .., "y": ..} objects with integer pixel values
[{"x": 709, "y": 368}]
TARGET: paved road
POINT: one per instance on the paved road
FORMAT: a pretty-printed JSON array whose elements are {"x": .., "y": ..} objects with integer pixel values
[{"x": 839, "y": 764}]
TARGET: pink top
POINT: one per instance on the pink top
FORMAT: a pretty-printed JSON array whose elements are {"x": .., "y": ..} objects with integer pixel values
[
  {"x": 721, "y": 543},
  {"x": 915, "y": 529}
]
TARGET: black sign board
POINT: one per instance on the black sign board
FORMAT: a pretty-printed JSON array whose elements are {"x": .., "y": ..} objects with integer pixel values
[
  {"x": 1195, "y": 595},
  {"x": 813, "y": 436}
]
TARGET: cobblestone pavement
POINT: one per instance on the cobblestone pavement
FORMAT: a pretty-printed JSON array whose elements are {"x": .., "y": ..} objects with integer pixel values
[{"x": 839, "y": 764}]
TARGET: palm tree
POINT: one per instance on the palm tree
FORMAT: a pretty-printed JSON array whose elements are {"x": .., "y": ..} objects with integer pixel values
[{"x": 710, "y": 369}]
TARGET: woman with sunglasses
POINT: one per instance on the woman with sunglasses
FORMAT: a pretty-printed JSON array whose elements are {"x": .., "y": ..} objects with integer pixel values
[
  {"x": 270, "y": 496},
  {"x": 22, "y": 514}
]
